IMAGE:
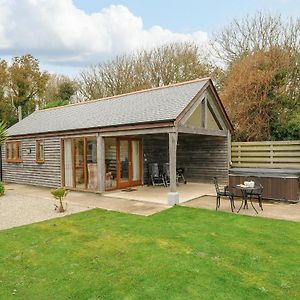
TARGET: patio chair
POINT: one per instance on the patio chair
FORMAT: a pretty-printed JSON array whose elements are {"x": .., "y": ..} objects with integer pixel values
[
  {"x": 155, "y": 175},
  {"x": 257, "y": 191},
  {"x": 166, "y": 173},
  {"x": 224, "y": 193},
  {"x": 180, "y": 175}
]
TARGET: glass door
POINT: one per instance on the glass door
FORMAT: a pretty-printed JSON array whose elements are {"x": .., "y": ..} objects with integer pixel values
[
  {"x": 79, "y": 163},
  {"x": 124, "y": 163},
  {"x": 91, "y": 163},
  {"x": 129, "y": 163},
  {"x": 136, "y": 160},
  {"x": 68, "y": 164}
]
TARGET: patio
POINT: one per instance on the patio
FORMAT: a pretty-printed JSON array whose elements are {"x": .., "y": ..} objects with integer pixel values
[
  {"x": 159, "y": 194},
  {"x": 272, "y": 209}
]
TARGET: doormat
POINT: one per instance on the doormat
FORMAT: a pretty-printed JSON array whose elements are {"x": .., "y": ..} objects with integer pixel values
[{"x": 129, "y": 190}]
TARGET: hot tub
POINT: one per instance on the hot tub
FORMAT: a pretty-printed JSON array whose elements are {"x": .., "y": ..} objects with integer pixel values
[{"x": 279, "y": 184}]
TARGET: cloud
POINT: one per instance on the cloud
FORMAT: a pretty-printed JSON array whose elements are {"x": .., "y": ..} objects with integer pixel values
[{"x": 59, "y": 33}]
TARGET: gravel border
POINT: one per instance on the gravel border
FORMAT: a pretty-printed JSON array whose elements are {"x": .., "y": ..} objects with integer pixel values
[{"x": 17, "y": 208}]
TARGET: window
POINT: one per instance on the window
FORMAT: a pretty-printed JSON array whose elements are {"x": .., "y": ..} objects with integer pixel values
[
  {"x": 13, "y": 152},
  {"x": 39, "y": 150}
]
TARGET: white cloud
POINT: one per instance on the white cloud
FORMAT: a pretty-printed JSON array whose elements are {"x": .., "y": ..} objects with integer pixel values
[{"x": 57, "y": 32}]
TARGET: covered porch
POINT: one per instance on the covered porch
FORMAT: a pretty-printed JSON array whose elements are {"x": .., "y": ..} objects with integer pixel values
[
  {"x": 198, "y": 141},
  {"x": 159, "y": 194},
  {"x": 127, "y": 176}
]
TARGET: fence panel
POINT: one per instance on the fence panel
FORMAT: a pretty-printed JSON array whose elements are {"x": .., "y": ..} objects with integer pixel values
[{"x": 269, "y": 154}]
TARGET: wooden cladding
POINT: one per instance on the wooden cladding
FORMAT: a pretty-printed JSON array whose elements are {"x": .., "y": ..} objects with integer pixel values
[
  {"x": 202, "y": 157},
  {"x": 14, "y": 152},
  {"x": 285, "y": 154},
  {"x": 28, "y": 171}
]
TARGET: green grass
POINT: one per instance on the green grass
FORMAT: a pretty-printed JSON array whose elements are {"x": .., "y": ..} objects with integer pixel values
[{"x": 181, "y": 253}]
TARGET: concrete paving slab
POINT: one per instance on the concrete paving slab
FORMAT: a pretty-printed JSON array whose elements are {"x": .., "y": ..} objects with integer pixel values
[
  {"x": 159, "y": 194},
  {"x": 116, "y": 204},
  {"x": 274, "y": 210}
]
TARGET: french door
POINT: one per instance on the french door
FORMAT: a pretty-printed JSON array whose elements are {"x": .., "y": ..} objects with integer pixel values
[
  {"x": 129, "y": 162},
  {"x": 79, "y": 163}
]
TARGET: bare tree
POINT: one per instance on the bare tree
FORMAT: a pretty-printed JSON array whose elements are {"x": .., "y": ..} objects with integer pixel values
[
  {"x": 163, "y": 65},
  {"x": 253, "y": 33}
]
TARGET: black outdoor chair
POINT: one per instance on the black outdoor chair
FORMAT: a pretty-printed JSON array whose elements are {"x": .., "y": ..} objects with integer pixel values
[
  {"x": 180, "y": 175},
  {"x": 166, "y": 173},
  {"x": 224, "y": 193},
  {"x": 257, "y": 192},
  {"x": 155, "y": 175}
]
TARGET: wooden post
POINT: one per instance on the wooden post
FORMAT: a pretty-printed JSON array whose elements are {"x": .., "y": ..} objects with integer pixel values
[
  {"x": 229, "y": 148},
  {"x": 173, "y": 196},
  {"x": 100, "y": 164},
  {"x": 204, "y": 113}
]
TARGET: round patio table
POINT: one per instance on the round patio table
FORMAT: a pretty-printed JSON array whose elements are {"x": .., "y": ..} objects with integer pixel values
[{"x": 245, "y": 192}]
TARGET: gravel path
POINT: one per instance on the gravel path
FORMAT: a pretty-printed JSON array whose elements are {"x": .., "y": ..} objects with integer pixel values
[
  {"x": 22, "y": 205},
  {"x": 25, "y": 204}
]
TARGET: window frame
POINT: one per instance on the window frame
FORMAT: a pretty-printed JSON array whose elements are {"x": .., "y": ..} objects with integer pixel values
[
  {"x": 38, "y": 158},
  {"x": 9, "y": 152}
]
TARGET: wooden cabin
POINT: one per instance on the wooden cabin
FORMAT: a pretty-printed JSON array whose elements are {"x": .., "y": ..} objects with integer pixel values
[{"x": 109, "y": 143}]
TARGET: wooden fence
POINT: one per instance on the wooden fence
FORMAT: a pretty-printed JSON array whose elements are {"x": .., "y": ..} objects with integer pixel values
[{"x": 283, "y": 154}]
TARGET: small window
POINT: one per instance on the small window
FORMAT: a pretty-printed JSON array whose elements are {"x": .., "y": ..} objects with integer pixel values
[
  {"x": 13, "y": 152},
  {"x": 39, "y": 151}
]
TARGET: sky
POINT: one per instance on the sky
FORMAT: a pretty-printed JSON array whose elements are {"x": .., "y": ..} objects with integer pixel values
[{"x": 69, "y": 35}]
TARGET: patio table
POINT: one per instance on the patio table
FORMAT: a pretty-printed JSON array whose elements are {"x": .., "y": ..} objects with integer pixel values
[{"x": 246, "y": 190}]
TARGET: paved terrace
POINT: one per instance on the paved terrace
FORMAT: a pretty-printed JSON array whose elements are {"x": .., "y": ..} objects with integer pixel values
[{"x": 272, "y": 209}]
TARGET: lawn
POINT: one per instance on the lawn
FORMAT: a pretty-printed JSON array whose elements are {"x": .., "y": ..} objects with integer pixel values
[{"x": 181, "y": 253}]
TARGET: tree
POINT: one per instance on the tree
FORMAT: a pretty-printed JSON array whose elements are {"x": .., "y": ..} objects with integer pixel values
[
  {"x": 3, "y": 78},
  {"x": 66, "y": 90},
  {"x": 7, "y": 113},
  {"x": 163, "y": 65},
  {"x": 3, "y": 134},
  {"x": 261, "y": 31},
  {"x": 59, "y": 91},
  {"x": 261, "y": 93},
  {"x": 27, "y": 83}
]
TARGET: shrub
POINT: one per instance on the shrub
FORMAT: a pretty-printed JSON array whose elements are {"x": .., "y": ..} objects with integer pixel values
[
  {"x": 2, "y": 189},
  {"x": 59, "y": 194}
]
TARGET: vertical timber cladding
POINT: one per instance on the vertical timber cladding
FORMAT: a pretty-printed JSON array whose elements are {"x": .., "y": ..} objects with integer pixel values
[
  {"x": 203, "y": 157},
  {"x": 29, "y": 172}
]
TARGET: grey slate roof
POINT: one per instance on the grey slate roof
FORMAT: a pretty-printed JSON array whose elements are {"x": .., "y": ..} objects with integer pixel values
[{"x": 154, "y": 105}]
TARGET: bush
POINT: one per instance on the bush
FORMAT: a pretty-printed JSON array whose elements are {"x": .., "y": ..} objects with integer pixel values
[
  {"x": 2, "y": 189},
  {"x": 59, "y": 194}
]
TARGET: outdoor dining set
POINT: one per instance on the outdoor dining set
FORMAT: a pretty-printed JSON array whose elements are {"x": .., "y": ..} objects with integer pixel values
[{"x": 249, "y": 190}]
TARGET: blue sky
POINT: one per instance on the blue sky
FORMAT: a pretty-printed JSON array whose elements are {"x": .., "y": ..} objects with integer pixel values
[
  {"x": 192, "y": 15},
  {"x": 68, "y": 35}
]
